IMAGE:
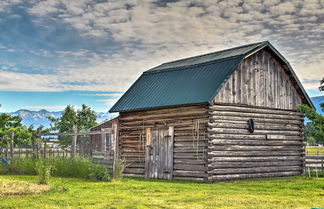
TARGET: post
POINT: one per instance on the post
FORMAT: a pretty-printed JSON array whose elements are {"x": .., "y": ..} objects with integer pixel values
[
  {"x": 6, "y": 152},
  {"x": 103, "y": 143},
  {"x": 33, "y": 144},
  {"x": 74, "y": 140},
  {"x": 82, "y": 140},
  {"x": 11, "y": 135},
  {"x": 45, "y": 145},
  {"x": 148, "y": 149}
]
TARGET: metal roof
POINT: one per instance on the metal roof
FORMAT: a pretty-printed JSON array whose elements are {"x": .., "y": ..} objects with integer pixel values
[
  {"x": 241, "y": 50},
  {"x": 194, "y": 80}
]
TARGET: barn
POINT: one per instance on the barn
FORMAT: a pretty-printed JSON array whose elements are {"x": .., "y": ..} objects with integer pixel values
[{"x": 218, "y": 116}]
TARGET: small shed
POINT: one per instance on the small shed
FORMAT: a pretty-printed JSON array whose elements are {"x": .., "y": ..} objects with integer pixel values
[
  {"x": 224, "y": 115},
  {"x": 105, "y": 143}
]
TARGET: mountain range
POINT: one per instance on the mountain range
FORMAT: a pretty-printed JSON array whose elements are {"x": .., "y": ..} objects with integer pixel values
[{"x": 38, "y": 118}]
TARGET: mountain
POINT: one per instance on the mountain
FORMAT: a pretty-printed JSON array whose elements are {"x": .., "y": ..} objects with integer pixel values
[{"x": 38, "y": 118}]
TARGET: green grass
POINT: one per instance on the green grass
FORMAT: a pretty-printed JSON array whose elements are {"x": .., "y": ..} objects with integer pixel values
[
  {"x": 315, "y": 150},
  {"x": 293, "y": 192}
]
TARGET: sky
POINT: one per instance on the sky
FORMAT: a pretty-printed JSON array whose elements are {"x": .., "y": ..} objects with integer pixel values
[{"x": 59, "y": 52}]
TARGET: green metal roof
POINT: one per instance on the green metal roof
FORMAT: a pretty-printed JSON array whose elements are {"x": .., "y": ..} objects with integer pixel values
[{"x": 194, "y": 80}]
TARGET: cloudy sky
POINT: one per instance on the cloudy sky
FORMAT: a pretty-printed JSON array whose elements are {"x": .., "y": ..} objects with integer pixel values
[{"x": 59, "y": 52}]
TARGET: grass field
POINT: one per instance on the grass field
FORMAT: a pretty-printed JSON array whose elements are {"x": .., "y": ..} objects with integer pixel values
[
  {"x": 292, "y": 192},
  {"x": 315, "y": 150}
]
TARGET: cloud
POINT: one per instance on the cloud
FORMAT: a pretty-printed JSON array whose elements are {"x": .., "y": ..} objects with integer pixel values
[
  {"x": 108, "y": 102},
  {"x": 143, "y": 34},
  {"x": 104, "y": 94}
]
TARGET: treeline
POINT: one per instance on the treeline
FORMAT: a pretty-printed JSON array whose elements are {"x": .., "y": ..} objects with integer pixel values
[{"x": 84, "y": 118}]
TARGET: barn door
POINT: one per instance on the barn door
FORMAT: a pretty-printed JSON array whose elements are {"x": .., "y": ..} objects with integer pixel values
[{"x": 159, "y": 153}]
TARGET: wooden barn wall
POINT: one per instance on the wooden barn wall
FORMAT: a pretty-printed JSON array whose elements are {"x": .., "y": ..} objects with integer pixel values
[
  {"x": 274, "y": 149},
  {"x": 260, "y": 80},
  {"x": 190, "y": 147}
]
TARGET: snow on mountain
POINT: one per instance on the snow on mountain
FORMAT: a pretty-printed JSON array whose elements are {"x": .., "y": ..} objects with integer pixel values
[{"x": 38, "y": 118}]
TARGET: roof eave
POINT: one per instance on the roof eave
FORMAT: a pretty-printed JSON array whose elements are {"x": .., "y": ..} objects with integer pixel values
[{"x": 161, "y": 107}]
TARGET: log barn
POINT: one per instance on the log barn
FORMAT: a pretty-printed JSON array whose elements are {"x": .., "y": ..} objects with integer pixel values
[{"x": 218, "y": 116}]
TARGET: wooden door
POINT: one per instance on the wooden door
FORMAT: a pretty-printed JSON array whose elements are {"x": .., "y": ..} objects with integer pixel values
[{"x": 159, "y": 153}]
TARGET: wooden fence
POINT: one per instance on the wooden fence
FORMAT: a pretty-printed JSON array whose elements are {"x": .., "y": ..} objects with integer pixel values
[
  {"x": 314, "y": 162},
  {"x": 30, "y": 152},
  {"x": 104, "y": 159}
]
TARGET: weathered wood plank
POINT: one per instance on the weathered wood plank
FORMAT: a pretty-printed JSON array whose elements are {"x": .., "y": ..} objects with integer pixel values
[{"x": 252, "y": 175}]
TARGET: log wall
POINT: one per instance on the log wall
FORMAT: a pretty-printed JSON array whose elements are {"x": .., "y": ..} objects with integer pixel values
[
  {"x": 275, "y": 148},
  {"x": 190, "y": 140},
  {"x": 261, "y": 80}
]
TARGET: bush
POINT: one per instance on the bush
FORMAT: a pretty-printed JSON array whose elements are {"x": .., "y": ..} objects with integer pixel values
[
  {"x": 43, "y": 170},
  {"x": 311, "y": 141},
  {"x": 22, "y": 166},
  {"x": 98, "y": 173},
  {"x": 71, "y": 167},
  {"x": 118, "y": 169},
  {"x": 57, "y": 166}
]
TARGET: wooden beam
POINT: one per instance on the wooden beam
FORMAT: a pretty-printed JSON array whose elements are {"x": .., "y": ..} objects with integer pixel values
[
  {"x": 74, "y": 140},
  {"x": 80, "y": 133}
]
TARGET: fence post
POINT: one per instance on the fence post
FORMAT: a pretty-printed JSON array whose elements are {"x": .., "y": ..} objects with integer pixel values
[
  {"x": 82, "y": 140},
  {"x": 11, "y": 135},
  {"x": 45, "y": 149},
  {"x": 7, "y": 151},
  {"x": 74, "y": 140}
]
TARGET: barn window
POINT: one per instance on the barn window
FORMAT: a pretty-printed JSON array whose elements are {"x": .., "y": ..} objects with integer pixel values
[{"x": 250, "y": 123}]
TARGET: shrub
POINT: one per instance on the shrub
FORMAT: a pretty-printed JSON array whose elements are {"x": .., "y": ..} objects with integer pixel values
[
  {"x": 57, "y": 166},
  {"x": 22, "y": 166},
  {"x": 118, "y": 169},
  {"x": 43, "y": 169},
  {"x": 98, "y": 173},
  {"x": 71, "y": 167}
]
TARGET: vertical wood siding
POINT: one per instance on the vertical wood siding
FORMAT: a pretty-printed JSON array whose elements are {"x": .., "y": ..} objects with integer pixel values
[
  {"x": 275, "y": 148},
  {"x": 190, "y": 147},
  {"x": 260, "y": 80}
]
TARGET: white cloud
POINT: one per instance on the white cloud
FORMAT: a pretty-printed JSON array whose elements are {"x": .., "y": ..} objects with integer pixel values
[
  {"x": 108, "y": 102},
  {"x": 148, "y": 35},
  {"x": 104, "y": 94}
]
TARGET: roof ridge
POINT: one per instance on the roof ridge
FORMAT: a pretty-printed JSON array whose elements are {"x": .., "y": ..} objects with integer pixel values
[
  {"x": 192, "y": 65},
  {"x": 257, "y": 44}
]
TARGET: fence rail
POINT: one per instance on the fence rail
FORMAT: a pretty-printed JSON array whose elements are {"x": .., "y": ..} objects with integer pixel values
[
  {"x": 314, "y": 162},
  {"x": 29, "y": 152}
]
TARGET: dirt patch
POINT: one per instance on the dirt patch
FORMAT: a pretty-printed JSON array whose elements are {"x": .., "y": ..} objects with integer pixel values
[{"x": 17, "y": 188}]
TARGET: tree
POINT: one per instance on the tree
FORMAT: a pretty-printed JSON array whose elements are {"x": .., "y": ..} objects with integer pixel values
[
  {"x": 321, "y": 88},
  {"x": 84, "y": 119},
  {"x": 315, "y": 128},
  {"x": 8, "y": 123}
]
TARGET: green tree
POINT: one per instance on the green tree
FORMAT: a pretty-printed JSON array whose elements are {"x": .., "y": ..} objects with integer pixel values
[
  {"x": 315, "y": 128},
  {"x": 8, "y": 123},
  {"x": 321, "y": 88},
  {"x": 84, "y": 119}
]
